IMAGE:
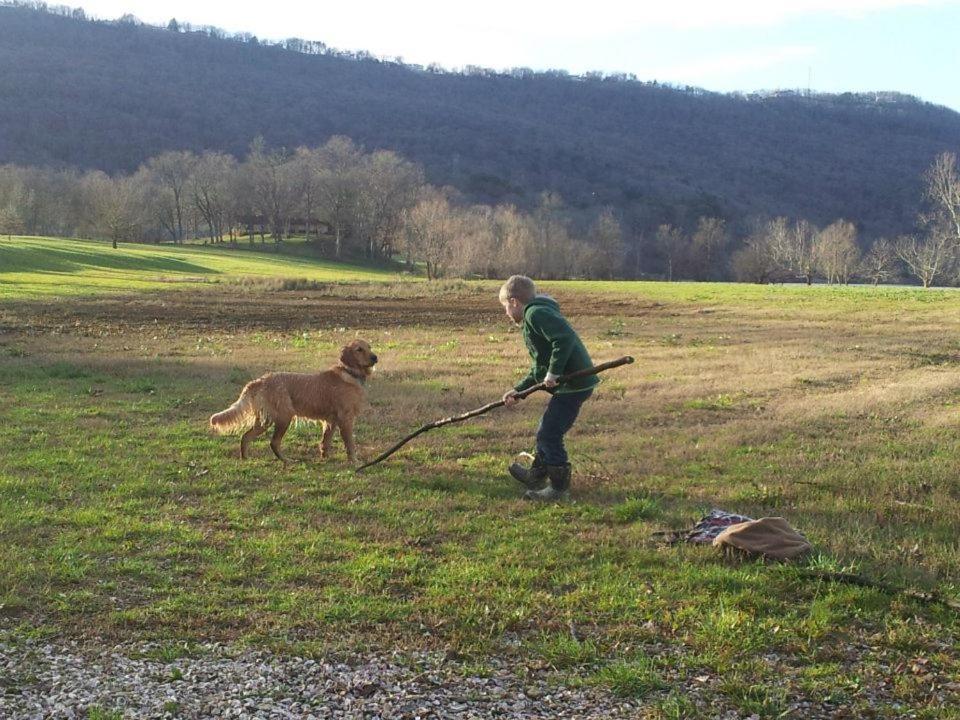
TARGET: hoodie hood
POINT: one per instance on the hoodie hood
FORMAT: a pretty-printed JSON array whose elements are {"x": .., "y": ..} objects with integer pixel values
[{"x": 542, "y": 301}]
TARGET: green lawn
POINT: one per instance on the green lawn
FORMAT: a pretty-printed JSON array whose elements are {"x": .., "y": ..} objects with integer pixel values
[
  {"x": 837, "y": 408},
  {"x": 38, "y": 267}
]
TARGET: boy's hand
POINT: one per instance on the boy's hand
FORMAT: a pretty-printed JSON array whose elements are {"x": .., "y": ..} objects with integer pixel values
[
  {"x": 510, "y": 398},
  {"x": 550, "y": 380}
]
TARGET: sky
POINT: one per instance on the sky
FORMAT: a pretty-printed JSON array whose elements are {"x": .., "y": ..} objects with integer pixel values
[{"x": 908, "y": 46}]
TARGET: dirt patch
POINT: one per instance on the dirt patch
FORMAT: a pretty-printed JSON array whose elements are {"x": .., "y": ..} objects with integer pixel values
[{"x": 246, "y": 309}]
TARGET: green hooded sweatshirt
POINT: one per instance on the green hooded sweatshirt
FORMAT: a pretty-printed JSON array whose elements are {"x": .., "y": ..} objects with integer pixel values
[{"x": 554, "y": 346}]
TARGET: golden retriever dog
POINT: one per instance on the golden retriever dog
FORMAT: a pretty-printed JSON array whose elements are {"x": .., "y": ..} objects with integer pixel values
[{"x": 334, "y": 397}]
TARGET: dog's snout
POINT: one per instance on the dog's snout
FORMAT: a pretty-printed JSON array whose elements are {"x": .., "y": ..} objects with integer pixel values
[{"x": 373, "y": 358}]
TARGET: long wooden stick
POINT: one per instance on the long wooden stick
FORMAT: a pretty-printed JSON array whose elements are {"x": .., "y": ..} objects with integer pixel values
[{"x": 626, "y": 360}]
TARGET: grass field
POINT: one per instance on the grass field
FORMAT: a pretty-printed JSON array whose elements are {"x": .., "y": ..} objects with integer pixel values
[
  {"x": 43, "y": 267},
  {"x": 837, "y": 408}
]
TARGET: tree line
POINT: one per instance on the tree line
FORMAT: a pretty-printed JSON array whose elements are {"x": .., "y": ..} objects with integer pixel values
[
  {"x": 782, "y": 249},
  {"x": 348, "y": 203},
  {"x": 376, "y": 206}
]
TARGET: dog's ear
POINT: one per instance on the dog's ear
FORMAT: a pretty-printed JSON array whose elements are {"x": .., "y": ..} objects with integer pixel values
[{"x": 347, "y": 356}]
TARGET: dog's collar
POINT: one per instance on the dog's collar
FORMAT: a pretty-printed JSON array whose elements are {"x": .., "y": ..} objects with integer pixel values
[{"x": 360, "y": 376}]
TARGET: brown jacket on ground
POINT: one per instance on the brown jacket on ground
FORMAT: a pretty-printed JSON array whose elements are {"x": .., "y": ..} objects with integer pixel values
[{"x": 771, "y": 537}]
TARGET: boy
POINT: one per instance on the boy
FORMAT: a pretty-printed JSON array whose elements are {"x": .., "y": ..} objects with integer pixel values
[{"x": 556, "y": 350}]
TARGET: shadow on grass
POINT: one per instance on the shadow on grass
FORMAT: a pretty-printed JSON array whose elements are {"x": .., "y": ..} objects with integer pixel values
[{"x": 70, "y": 260}]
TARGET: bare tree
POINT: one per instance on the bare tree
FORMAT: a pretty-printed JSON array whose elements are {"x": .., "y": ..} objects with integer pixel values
[
  {"x": 550, "y": 235},
  {"x": 171, "y": 172},
  {"x": 635, "y": 252},
  {"x": 430, "y": 229},
  {"x": 157, "y": 217},
  {"x": 606, "y": 241},
  {"x": 800, "y": 258},
  {"x": 672, "y": 244},
  {"x": 307, "y": 169},
  {"x": 706, "y": 247},
  {"x": 478, "y": 244},
  {"x": 879, "y": 263},
  {"x": 514, "y": 239},
  {"x": 210, "y": 189},
  {"x": 338, "y": 185},
  {"x": 387, "y": 186},
  {"x": 570, "y": 257},
  {"x": 776, "y": 240},
  {"x": 836, "y": 252},
  {"x": 758, "y": 260},
  {"x": 275, "y": 182},
  {"x": 246, "y": 205},
  {"x": 52, "y": 202},
  {"x": 113, "y": 206},
  {"x": 930, "y": 258},
  {"x": 943, "y": 191},
  {"x": 12, "y": 200}
]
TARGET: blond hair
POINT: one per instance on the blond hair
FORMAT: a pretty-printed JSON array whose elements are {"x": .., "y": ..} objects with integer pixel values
[{"x": 520, "y": 287}]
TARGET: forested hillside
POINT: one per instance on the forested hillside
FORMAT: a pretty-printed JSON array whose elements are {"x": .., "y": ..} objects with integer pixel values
[{"x": 85, "y": 94}]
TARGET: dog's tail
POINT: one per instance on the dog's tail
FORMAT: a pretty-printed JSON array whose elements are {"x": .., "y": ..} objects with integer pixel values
[{"x": 240, "y": 413}]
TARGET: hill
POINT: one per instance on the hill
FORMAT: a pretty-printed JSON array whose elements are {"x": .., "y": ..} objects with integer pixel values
[{"x": 109, "y": 95}]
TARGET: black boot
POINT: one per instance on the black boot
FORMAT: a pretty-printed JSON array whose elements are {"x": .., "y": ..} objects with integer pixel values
[
  {"x": 533, "y": 478},
  {"x": 558, "y": 488}
]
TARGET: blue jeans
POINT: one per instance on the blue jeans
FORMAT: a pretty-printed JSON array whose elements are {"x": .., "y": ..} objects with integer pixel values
[{"x": 558, "y": 418}]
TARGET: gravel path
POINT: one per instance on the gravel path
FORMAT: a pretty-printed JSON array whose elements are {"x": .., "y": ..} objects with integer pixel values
[{"x": 48, "y": 680}]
